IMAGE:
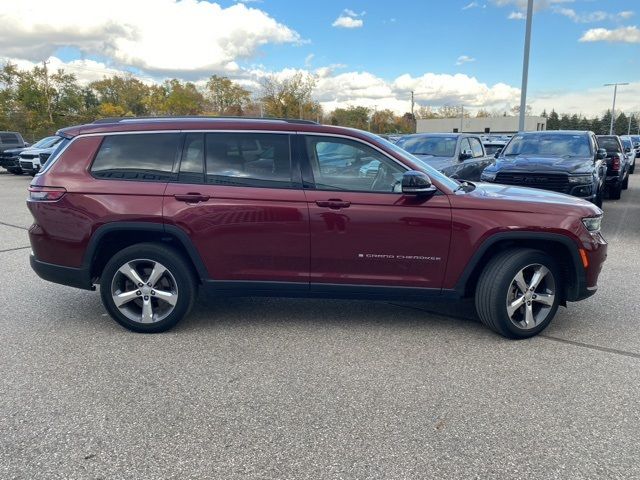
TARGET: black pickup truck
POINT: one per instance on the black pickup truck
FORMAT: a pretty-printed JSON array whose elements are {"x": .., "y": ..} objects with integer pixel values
[{"x": 569, "y": 162}]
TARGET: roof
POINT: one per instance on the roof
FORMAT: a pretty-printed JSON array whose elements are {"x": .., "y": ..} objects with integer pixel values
[{"x": 132, "y": 124}]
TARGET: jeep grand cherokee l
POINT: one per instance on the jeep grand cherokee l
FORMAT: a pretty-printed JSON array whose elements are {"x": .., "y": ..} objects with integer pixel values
[
  {"x": 152, "y": 210},
  {"x": 562, "y": 161}
]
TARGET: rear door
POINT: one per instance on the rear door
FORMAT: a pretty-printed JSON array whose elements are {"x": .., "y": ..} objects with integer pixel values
[{"x": 239, "y": 198}]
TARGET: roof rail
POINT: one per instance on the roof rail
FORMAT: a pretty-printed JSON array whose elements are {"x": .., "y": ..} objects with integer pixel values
[{"x": 205, "y": 117}]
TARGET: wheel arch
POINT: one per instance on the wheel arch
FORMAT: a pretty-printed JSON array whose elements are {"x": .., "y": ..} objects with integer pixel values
[
  {"x": 563, "y": 250},
  {"x": 113, "y": 237}
]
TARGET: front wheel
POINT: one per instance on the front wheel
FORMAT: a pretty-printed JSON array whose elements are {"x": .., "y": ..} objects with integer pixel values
[
  {"x": 518, "y": 293},
  {"x": 147, "y": 287}
]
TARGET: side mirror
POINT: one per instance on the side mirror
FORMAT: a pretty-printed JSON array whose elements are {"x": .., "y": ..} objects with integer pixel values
[
  {"x": 465, "y": 155},
  {"x": 497, "y": 154},
  {"x": 417, "y": 183},
  {"x": 601, "y": 154},
  {"x": 627, "y": 149}
]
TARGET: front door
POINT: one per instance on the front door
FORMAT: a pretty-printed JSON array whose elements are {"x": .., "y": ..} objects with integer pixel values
[
  {"x": 364, "y": 231},
  {"x": 240, "y": 204}
]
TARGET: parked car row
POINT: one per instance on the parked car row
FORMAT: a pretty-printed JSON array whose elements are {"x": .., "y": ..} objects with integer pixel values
[
  {"x": 577, "y": 163},
  {"x": 28, "y": 159}
]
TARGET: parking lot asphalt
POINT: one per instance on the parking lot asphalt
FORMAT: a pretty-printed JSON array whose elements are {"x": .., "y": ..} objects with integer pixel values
[{"x": 296, "y": 389}]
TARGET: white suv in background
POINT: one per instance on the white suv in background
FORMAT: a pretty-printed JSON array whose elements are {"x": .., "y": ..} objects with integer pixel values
[{"x": 32, "y": 159}]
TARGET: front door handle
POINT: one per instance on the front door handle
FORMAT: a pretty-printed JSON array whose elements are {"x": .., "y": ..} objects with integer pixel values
[
  {"x": 191, "y": 197},
  {"x": 333, "y": 203}
]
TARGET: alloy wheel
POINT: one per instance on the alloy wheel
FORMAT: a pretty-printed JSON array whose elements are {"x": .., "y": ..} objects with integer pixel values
[
  {"x": 145, "y": 291},
  {"x": 531, "y": 296}
]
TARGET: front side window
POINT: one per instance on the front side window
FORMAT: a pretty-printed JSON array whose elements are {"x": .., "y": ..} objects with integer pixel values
[
  {"x": 341, "y": 164},
  {"x": 147, "y": 156},
  {"x": 248, "y": 159},
  {"x": 476, "y": 147}
]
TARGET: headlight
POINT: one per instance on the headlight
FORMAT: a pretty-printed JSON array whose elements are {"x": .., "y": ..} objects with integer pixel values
[
  {"x": 592, "y": 223},
  {"x": 580, "y": 179},
  {"x": 488, "y": 176}
]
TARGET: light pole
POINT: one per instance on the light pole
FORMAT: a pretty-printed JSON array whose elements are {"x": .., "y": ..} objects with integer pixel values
[
  {"x": 613, "y": 109},
  {"x": 525, "y": 66},
  {"x": 461, "y": 117}
]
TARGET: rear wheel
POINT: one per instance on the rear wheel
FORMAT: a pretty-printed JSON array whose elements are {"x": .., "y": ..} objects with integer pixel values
[
  {"x": 615, "y": 191},
  {"x": 147, "y": 288},
  {"x": 633, "y": 167},
  {"x": 518, "y": 293},
  {"x": 625, "y": 184}
]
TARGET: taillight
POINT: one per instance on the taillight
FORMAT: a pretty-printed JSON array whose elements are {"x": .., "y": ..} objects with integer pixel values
[
  {"x": 615, "y": 162},
  {"x": 46, "y": 194}
]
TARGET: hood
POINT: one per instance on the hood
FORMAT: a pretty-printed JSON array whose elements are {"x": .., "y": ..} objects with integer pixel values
[
  {"x": 534, "y": 163},
  {"x": 439, "y": 163},
  {"x": 36, "y": 151},
  {"x": 14, "y": 151},
  {"x": 492, "y": 196}
]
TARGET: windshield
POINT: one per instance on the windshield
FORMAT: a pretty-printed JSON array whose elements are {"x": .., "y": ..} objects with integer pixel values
[
  {"x": 425, "y": 145},
  {"x": 549, "y": 145},
  {"x": 610, "y": 144},
  {"x": 46, "y": 142},
  {"x": 432, "y": 172},
  {"x": 61, "y": 144}
]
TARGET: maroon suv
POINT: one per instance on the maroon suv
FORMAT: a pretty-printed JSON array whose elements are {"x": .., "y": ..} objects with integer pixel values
[{"x": 154, "y": 209}]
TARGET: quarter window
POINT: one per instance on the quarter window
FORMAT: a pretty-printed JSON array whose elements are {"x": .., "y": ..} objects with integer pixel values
[
  {"x": 137, "y": 156},
  {"x": 341, "y": 164},
  {"x": 248, "y": 159}
]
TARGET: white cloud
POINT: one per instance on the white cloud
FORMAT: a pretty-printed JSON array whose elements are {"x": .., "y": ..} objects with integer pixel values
[
  {"x": 517, "y": 16},
  {"x": 462, "y": 59},
  {"x": 471, "y": 5},
  {"x": 151, "y": 35},
  {"x": 349, "y": 19},
  {"x": 621, "y": 35},
  {"x": 347, "y": 22},
  {"x": 590, "y": 102},
  {"x": 591, "y": 17},
  {"x": 308, "y": 60}
]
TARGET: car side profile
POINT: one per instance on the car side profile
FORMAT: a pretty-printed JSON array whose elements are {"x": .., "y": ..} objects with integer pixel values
[
  {"x": 154, "y": 210},
  {"x": 457, "y": 155}
]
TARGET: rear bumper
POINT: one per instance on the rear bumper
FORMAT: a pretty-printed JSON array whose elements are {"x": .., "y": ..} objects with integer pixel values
[{"x": 72, "y": 277}]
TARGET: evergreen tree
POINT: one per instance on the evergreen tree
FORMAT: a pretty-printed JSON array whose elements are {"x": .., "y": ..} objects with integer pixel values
[{"x": 553, "y": 122}]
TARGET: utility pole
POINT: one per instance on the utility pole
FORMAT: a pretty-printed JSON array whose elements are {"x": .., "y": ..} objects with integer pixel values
[
  {"x": 46, "y": 89},
  {"x": 613, "y": 109},
  {"x": 525, "y": 66},
  {"x": 413, "y": 116},
  {"x": 629, "y": 129},
  {"x": 461, "y": 117}
]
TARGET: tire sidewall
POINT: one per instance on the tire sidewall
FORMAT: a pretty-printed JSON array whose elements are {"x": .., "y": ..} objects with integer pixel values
[
  {"x": 172, "y": 260},
  {"x": 503, "y": 282}
]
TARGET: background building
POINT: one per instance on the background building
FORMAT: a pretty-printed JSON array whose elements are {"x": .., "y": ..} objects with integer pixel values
[{"x": 480, "y": 125}]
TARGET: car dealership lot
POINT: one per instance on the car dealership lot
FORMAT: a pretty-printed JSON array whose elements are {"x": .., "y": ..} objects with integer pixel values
[{"x": 280, "y": 388}]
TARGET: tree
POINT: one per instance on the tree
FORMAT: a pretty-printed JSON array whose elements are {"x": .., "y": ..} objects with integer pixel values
[
  {"x": 482, "y": 113},
  {"x": 174, "y": 97},
  {"x": 127, "y": 92},
  {"x": 289, "y": 97},
  {"x": 383, "y": 121},
  {"x": 553, "y": 122},
  {"x": 425, "y": 113},
  {"x": 355, "y": 117},
  {"x": 226, "y": 97},
  {"x": 621, "y": 125},
  {"x": 516, "y": 110}
]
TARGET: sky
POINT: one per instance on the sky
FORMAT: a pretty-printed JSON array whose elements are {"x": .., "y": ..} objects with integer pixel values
[{"x": 370, "y": 53}]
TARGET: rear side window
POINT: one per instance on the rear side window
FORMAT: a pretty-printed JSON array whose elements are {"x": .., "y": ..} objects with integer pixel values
[
  {"x": 248, "y": 159},
  {"x": 149, "y": 157},
  {"x": 9, "y": 138}
]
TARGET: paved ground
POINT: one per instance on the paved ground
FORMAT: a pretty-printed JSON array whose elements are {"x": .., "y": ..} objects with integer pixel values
[{"x": 295, "y": 389}]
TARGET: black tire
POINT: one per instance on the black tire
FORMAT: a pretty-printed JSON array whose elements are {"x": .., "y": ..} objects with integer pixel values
[
  {"x": 598, "y": 200},
  {"x": 625, "y": 184},
  {"x": 496, "y": 282},
  {"x": 633, "y": 167},
  {"x": 180, "y": 274},
  {"x": 615, "y": 191},
  {"x": 15, "y": 171}
]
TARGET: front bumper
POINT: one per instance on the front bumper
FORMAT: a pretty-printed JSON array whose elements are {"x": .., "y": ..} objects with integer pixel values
[{"x": 9, "y": 162}]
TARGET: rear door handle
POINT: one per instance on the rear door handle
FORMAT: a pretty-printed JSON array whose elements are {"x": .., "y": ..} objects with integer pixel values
[
  {"x": 191, "y": 197},
  {"x": 333, "y": 203}
]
